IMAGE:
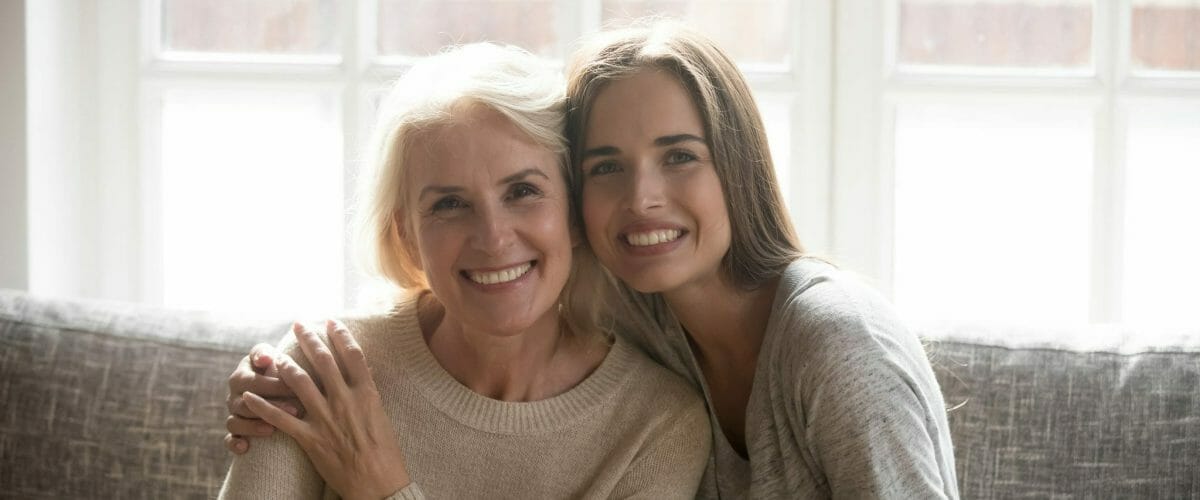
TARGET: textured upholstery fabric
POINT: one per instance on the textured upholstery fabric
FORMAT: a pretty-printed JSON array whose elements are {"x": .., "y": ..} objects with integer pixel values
[
  {"x": 108, "y": 400},
  {"x": 112, "y": 400},
  {"x": 1054, "y": 423}
]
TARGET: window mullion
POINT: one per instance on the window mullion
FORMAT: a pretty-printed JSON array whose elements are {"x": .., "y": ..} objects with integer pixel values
[{"x": 1110, "y": 41}]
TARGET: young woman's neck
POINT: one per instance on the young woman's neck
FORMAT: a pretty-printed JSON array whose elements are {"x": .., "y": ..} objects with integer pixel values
[
  {"x": 539, "y": 363},
  {"x": 725, "y": 322}
]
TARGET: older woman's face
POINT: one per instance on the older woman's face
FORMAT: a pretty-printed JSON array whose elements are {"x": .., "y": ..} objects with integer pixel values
[{"x": 489, "y": 220}]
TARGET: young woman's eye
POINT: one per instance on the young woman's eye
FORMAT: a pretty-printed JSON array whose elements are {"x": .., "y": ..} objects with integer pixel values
[
  {"x": 446, "y": 204},
  {"x": 602, "y": 168},
  {"x": 677, "y": 157},
  {"x": 523, "y": 190}
]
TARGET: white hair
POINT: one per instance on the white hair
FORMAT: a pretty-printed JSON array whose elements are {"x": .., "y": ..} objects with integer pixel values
[{"x": 525, "y": 89}]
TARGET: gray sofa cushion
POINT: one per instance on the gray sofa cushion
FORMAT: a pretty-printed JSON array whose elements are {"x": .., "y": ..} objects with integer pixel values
[
  {"x": 112, "y": 400},
  {"x": 1054, "y": 423}
]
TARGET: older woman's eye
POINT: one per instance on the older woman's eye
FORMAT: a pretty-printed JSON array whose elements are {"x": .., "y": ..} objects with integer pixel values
[
  {"x": 523, "y": 190},
  {"x": 446, "y": 204}
]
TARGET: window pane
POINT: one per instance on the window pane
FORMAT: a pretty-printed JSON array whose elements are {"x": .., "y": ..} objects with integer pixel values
[
  {"x": 752, "y": 31},
  {"x": 1162, "y": 222},
  {"x": 252, "y": 201},
  {"x": 419, "y": 28},
  {"x": 1166, "y": 34},
  {"x": 992, "y": 213},
  {"x": 293, "y": 27},
  {"x": 1031, "y": 34},
  {"x": 776, "y": 112}
]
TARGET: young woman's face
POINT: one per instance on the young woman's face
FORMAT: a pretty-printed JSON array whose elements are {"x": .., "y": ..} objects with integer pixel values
[
  {"x": 652, "y": 203},
  {"x": 488, "y": 215}
]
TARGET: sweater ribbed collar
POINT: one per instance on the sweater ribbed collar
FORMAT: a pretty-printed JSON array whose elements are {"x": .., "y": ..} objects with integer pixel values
[{"x": 502, "y": 417}]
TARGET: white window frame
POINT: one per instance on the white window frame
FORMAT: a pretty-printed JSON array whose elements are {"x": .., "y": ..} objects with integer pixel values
[
  {"x": 120, "y": 128},
  {"x": 869, "y": 89}
]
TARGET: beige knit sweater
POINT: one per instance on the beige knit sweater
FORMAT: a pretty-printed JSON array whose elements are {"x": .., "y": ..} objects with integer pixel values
[{"x": 631, "y": 429}]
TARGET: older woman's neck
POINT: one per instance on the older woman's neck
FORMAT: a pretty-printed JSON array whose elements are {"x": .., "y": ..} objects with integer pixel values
[{"x": 539, "y": 363}]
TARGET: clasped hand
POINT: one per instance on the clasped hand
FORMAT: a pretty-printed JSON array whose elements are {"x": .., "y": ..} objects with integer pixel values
[{"x": 345, "y": 432}]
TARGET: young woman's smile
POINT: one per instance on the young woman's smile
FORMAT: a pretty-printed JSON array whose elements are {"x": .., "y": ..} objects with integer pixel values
[{"x": 652, "y": 203}]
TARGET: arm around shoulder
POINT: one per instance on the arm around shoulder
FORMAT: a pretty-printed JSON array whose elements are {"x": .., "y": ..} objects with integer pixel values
[{"x": 275, "y": 467}]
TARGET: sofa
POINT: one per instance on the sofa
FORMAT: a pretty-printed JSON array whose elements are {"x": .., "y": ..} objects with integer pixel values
[{"x": 117, "y": 400}]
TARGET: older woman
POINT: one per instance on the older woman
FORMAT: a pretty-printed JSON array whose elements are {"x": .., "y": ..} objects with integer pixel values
[{"x": 486, "y": 379}]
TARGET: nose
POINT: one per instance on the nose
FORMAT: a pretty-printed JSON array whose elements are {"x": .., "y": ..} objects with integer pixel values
[
  {"x": 494, "y": 232},
  {"x": 646, "y": 193}
]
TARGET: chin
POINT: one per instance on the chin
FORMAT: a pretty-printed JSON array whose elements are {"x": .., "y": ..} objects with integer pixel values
[{"x": 648, "y": 282}]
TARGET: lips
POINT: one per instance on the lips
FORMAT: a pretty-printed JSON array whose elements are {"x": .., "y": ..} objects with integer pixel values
[{"x": 499, "y": 276}]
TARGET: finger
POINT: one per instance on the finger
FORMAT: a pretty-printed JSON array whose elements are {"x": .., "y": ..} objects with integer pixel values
[
  {"x": 244, "y": 379},
  {"x": 236, "y": 444},
  {"x": 238, "y": 408},
  {"x": 306, "y": 390},
  {"x": 322, "y": 360},
  {"x": 290, "y": 425},
  {"x": 249, "y": 427},
  {"x": 262, "y": 359},
  {"x": 350, "y": 353}
]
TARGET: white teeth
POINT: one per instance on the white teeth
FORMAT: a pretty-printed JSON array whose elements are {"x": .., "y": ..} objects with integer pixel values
[
  {"x": 502, "y": 276},
  {"x": 652, "y": 237}
]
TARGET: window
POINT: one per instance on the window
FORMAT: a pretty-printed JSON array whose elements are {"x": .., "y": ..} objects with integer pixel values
[
  {"x": 1007, "y": 160},
  {"x": 1032, "y": 160},
  {"x": 251, "y": 115}
]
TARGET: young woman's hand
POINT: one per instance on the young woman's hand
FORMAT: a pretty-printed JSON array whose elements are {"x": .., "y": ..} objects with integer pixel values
[
  {"x": 345, "y": 431},
  {"x": 257, "y": 373}
]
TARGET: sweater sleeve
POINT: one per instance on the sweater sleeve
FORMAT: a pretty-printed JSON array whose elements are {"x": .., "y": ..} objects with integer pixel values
[
  {"x": 673, "y": 460},
  {"x": 867, "y": 423},
  {"x": 273, "y": 467}
]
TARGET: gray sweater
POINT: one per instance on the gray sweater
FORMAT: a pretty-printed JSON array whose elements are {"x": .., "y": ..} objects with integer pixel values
[{"x": 844, "y": 402}]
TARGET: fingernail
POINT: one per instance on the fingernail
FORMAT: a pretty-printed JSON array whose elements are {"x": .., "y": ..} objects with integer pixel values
[
  {"x": 291, "y": 410},
  {"x": 240, "y": 445}
]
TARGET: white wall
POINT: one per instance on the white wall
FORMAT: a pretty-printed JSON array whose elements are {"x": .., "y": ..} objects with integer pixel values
[
  {"x": 82, "y": 178},
  {"x": 14, "y": 222}
]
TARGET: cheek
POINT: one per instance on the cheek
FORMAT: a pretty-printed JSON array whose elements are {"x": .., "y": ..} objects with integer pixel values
[
  {"x": 597, "y": 208},
  {"x": 435, "y": 248}
]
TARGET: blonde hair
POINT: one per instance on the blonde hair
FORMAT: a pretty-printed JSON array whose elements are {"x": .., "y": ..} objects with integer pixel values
[
  {"x": 763, "y": 239},
  {"x": 526, "y": 90}
]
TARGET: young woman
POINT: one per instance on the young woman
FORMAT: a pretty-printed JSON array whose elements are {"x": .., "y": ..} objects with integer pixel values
[
  {"x": 814, "y": 387},
  {"x": 488, "y": 380}
]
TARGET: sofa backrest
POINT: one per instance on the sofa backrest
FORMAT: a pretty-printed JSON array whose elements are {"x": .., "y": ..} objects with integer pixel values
[
  {"x": 115, "y": 400},
  {"x": 112, "y": 400},
  {"x": 1054, "y": 422}
]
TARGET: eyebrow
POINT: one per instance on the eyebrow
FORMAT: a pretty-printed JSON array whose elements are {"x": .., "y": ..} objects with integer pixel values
[
  {"x": 506, "y": 180},
  {"x": 666, "y": 140}
]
